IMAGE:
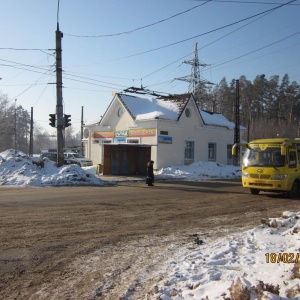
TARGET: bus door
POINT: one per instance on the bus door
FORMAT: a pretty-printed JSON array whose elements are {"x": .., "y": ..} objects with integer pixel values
[{"x": 292, "y": 159}]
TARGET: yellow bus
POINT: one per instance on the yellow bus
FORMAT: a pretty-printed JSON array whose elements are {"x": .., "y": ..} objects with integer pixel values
[{"x": 271, "y": 165}]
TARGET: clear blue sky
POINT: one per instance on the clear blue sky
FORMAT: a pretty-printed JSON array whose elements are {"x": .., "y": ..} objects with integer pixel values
[{"x": 118, "y": 50}]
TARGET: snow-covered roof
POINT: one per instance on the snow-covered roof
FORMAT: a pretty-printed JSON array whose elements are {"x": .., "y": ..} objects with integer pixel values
[
  {"x": 92, "y": 122},
  {"x": 168, "y": 108},
  {"x": 150, "y": 108},
  {"x": 216, "y": 119}
]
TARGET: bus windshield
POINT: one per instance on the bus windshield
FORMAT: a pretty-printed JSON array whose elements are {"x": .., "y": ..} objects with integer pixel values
[{"x": 269, "y": 157}]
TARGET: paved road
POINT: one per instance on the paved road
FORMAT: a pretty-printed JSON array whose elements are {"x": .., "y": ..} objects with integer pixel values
[{"x": 98, "y": 242}]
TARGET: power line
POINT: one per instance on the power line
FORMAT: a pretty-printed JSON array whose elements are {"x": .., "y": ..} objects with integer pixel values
[
  {"x": 256, "y": 50},
  {"x": 96, "y": 80},
  {"x": 205, "y": 46},
  {"x": 205, "y": 33},
  {"x": 43, "y": 74},
  {"x": 82, "y": 81},
  {"x": 139, "y": 28},
  {"x": 171, "y": 17},
  {"x": 245, "y": 2}
]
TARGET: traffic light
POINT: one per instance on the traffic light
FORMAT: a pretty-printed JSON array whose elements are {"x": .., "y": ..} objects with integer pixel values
[
  {"x": 52, "y": 120},
  {"x": 67, "y": 120}
]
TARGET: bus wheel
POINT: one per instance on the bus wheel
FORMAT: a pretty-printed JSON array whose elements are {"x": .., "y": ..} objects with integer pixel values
[
  {"x": 254, "y": 191},
  {"x": 294, "y": 192}
]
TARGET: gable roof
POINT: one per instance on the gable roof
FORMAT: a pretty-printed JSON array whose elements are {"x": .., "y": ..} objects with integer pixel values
[{"x": 166, "y": 107}]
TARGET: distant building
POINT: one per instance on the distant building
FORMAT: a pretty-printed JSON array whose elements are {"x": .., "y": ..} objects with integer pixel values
[{"x": 168, "y": 130}]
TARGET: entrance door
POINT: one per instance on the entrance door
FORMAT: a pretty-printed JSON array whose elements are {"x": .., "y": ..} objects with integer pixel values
[
  {"x": 144, "y": 156},
  {"x": 115, "y": 160},
  {"x": 125, "y": 160}
]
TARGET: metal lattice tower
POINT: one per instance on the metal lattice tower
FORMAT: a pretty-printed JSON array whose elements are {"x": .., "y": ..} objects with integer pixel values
[{"x": 193, "y": 79}]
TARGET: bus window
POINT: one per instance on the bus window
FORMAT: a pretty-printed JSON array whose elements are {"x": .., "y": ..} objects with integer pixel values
[
  {"x": 278, "y": 159},
  {"x": 292, "y": 159},
  {"x": 264, "y": 157}
]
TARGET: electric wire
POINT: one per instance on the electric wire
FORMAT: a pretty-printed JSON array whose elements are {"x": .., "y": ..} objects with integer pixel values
[
  {"x": 210, "y": 43},
  {"x": 171, "y": 17},
  {"x": 206, "y": 45},
  {"x": 21, "y": 64},
  {"x": 139, "y": 28},
  {"x": 96, "y": 80},
  {"x": 33, "y": 84},
  {"x": 46, "y": 85},
  {"x": 91, "y": 83},
  {"x": 256, "y": 50},
  {"x": 205, "y": 33},
  {"x": 246, "y": 2}
]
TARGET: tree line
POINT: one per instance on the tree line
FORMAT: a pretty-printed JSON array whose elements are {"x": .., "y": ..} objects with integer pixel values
[
  {"x": 268, "y": 107},
  {"x": 15, "y": 130}
]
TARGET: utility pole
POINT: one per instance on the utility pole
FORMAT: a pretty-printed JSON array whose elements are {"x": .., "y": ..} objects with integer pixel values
[
  {"x": 59, "y": 106},
  {"x": 31, "y": 134},
  {"x": 236, "y": 158},
  {"x": 15, "y": 126},
  {"x": 81, "y": 133}
]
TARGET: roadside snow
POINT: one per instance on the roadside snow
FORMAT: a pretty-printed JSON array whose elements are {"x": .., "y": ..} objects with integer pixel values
[{"x": 262, "y": 263}]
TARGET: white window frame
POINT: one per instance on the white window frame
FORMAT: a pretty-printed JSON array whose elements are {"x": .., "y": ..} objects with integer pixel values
[
  {"x": 189, "y": 150},
  {"x": 212, "y": 151}
]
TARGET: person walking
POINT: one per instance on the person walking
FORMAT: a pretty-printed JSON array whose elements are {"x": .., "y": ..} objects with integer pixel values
[{"x": 150, "y": 173}]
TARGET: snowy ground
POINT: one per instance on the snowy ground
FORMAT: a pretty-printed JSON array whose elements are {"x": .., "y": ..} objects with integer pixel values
[{"x": 263, "y": 263}]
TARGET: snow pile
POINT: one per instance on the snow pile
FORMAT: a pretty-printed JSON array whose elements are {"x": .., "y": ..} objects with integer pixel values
[
  {"x": 263, "y": 264},
  {"x": 20, "y": 169},
  {"x": 200, "y": 171}
]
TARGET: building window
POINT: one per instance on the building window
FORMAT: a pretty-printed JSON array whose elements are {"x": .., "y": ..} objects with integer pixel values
[
  {"x": 229, "y": 151},
  {"x": 164, "y": 132},
  {"x": 187, "y": 112},
  {"x": 189, "y": 150},
  {"x": 229, "y": 154},
  {"x": 212, "y": 151}
]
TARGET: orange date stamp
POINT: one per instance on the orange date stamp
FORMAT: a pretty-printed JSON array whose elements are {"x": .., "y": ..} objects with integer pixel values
[{"x": 284, "y": 257}]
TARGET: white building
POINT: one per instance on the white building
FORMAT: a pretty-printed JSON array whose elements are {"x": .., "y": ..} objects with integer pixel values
[{"x": 169, "y": 130}]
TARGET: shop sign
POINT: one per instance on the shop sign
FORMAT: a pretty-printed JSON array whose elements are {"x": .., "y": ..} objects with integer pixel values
[
  {"x": 165, "y": 139},
  {"x": 119, "y": 140},
  {"x": 121, "y": 133},
  {"x": 142, "y": 132},
  {"x": 103, "y": 134}
]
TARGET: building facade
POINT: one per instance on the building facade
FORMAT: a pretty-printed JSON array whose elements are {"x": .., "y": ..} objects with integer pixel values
[{"x": 168, "y": 130}]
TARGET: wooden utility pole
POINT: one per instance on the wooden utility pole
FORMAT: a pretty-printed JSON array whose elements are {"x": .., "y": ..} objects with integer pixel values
[
  {"x": 236, "y": 158},
  {"x": 81, "y": 132},
  {"x": 15, "y": 126},
  {"x": 31, "y": 134},
  {"x": 60, "y": 122}
]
